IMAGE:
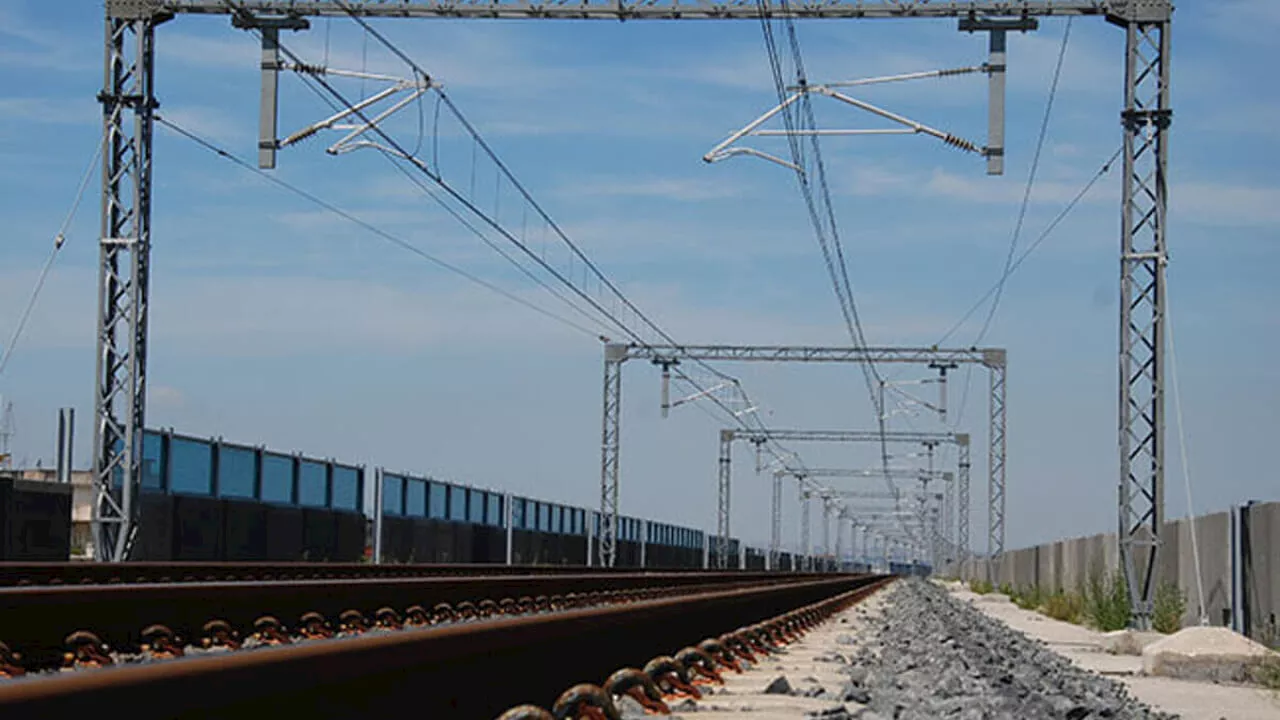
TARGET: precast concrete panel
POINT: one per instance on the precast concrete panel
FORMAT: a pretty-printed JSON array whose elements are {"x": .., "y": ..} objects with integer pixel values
[
  {"x": 1213, "y": 537},
  {"x": 1170, "y": 551},
  {"x": 1005, "y": 572},
  {"x": 1075, "y": 556},
  {"x": 1044, "y": 567},
  {"x": 1025, "y": 567},
  {"x": 1264, "y": 572},
  {"x": 1110, "y": 552}
]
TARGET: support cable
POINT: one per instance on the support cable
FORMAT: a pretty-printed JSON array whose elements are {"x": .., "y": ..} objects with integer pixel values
[
  {"x": 58, "y": 240},
  {"x": 1186, "y": 468}
]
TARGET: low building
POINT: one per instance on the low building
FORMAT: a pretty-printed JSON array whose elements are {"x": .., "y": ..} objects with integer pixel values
[{"x": 82, "y": 497}]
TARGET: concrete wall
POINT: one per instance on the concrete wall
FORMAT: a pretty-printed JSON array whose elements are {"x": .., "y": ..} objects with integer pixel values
[
  {"x": 1264, "y": 569},
  {"x": 1067, "y": 564}
]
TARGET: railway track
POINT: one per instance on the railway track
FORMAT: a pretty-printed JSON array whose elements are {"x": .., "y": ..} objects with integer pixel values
[
  {"x": 22, "y": 574},
  {"x": 40, "y": 623},
  {"x": 475, "y": 668}
]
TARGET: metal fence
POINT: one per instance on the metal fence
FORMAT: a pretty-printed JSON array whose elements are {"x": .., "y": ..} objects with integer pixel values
[{"x": 184, "y": 465}]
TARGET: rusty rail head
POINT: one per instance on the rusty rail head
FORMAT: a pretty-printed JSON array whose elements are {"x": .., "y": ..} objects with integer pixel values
[
  {"x": 23, "y": 574},
  {"x": 37, "y": 618},
  {"x": 439, "y": 671}
]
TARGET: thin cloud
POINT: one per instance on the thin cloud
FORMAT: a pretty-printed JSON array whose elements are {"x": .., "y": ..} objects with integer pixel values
[
  {"x": 52, "y": 110},
  {"x": 1225, "y": 205},
  {"x": 674, "y": 189}
]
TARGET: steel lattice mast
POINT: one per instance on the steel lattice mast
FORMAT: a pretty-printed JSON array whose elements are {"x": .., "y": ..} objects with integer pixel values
[{"x": 128, "y": 95}]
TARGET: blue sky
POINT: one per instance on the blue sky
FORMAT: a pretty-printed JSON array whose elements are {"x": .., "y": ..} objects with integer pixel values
[{"x": 275, "y": 323}]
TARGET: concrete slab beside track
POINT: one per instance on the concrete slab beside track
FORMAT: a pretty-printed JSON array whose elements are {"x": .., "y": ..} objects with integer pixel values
[{"x": 1085, "y": 648}]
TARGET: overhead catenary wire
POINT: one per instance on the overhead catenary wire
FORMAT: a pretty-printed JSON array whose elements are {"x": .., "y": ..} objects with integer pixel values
[
  {"x": 1053, "y": 225},
  {"x": 1022, "y": 212},
  {"x": 379, "y": 232},
  {"x": 497, "y": 227},
  {"x": 1044, "y": 235},
  {"x": 1031, "y": 181},
  {"x": 59, "y": 239},
  {"x": 821, "y": 213}
]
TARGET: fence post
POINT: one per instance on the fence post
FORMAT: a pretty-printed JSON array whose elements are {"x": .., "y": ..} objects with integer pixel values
[
  {"x": 508, "y": 515},
  {"x": 644, "y": 540},
  {"x": 377, "y": 515}
]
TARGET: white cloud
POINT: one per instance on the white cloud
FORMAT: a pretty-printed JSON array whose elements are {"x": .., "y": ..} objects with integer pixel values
[
  {"x": 227, "y": 50},
  {"x": 671, "y": 188},
  {"x": 165, "y": 397},
  {"x": 1235, "y": 206},
  {"x": 878, "y": 181},
  {"x": 52, "y": 110},
  {"x": 36, "y": 47},
  {"x": 211, "y": 123}
]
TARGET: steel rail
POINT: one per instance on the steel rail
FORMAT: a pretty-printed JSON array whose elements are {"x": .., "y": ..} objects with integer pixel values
[
  {"x": 471, "y": 670},
  {"x": 760, "y": 641},
  {"x": 76, "y": 573},
  {"x": 36, "y": 620}
]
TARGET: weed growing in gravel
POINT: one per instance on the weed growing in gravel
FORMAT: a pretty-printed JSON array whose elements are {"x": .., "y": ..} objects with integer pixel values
[
  {"x": 1028, "y": 598},
  {"x": 981, "y": 587},
  {"x": 1268, "y": 674},
  {"x": 1066, "y": 606},
  {"x": 1006, "y": 589},
  {"x": 1170, "y": 604},
  {"x": 1106, "y": 603}
]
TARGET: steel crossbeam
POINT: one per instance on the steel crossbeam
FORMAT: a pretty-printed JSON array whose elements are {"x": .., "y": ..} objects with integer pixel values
[
  {"x": 994, "y": 359},
  {"x": 758, "y": 436},
  {"x": 655, "y": 10}
]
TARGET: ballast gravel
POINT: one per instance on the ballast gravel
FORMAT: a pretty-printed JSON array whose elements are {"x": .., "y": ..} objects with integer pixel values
[{"x": 930, "y": 656}]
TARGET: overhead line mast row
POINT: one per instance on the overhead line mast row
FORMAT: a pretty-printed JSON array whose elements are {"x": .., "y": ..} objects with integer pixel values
[{"x": 129, "y": 105}]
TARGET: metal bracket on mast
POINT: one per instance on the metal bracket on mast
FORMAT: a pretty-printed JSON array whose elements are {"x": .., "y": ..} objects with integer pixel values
[
  {"x": 728, "y": 147},
  {"x": 995, "y": 67},
  {"x": 267, "y": 114},
  {"x": 666, "y": 363},
  {"x": 411, "y": 88}
]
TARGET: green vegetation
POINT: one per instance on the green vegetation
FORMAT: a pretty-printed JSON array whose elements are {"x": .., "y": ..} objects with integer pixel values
[
  {"x": 1065, "y": 606},
  {"x": 1106, "y": 600},
  {"x": 1170, "y": 605},
  {"x": 1028, "y": 598},
  {"x": 981, "y": 587},
  {"x": 1268, "y": 673},
  {"x": 1006, "y": 589}
]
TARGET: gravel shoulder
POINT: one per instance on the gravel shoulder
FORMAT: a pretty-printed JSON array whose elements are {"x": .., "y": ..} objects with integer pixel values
[
  {"x": 811, "y": 678},
  {"x": 1083, "y": 648}
]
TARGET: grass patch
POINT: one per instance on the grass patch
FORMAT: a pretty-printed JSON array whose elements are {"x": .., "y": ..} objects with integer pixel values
[
  {"x": 1267, "y": 674},
  {"x": 981, "y": 587},
  {"x": 1007, "y": 589},
  {"x": 1028, "y": 598},
  {"x": 1106, "y": 600},
  {"x": 1170, "y": 604},
  {"x": 1065, "y": 606}
]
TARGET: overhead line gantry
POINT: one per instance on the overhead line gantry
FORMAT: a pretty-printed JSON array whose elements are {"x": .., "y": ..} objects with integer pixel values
[{"x": 129, "y": 103}]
